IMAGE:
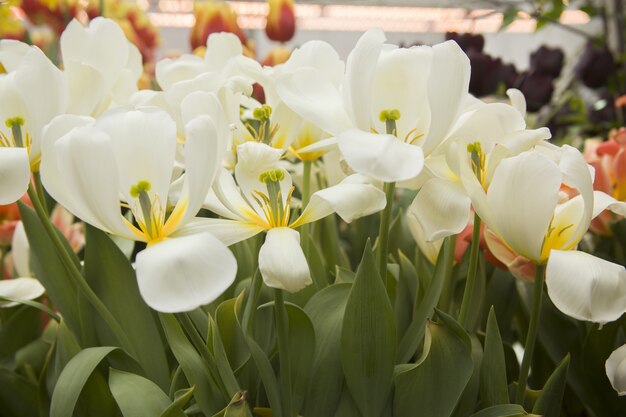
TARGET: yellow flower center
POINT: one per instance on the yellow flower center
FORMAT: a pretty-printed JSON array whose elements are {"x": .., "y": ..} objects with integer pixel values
[
  {"x": 19, "y": 140},
  {"x": 276, "y": 212}
]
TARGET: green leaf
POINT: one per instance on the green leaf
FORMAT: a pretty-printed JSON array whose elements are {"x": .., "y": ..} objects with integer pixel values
[
  {"x": 74, "y": 377},
  {"x": 326, "y": 310},
  {"x": 237, "y": 407},
  {"x": 221, "y": 359},
  {"x": 113, "y": 279},
  {"x": 137, "y": 396},
  {"x": 502, "y": 410},
  {"x": 230, "y": 334},
  {"x": 467, "y": 402},
  {"x": 175, "y": 409},
  {"x": 508, "y": 17},
  {"x": 493, "y": 384},
  {"x": 18, "y": 396},
  {"x": 302, "y": 349},
  {"x": 50, "y": 270},
  {"x": 20, "y": 328},
  {"x": 344, "y": 275},
  {"x": 368, "y": 340},
  {"x": 415, "y": 333},
  {"x": 207, "y": 394},
  {"x": 406, "y": 294},
  {"x": 435, "y": 384},
  {"x": 549, "y": 402}
]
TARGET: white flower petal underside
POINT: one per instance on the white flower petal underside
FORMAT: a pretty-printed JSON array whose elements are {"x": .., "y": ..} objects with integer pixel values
[
  {"x": 23, "y": 288},
  {"x": 282, "y": 262},
  {"x": 14, "y": 174},
  {"x": 383, "y": 157},
  {"x": 585, "y": 287},
  {"x": 615, "y": 367},
  {"x": 181, "y": 274},
  {"x": 442, "y": 207}
]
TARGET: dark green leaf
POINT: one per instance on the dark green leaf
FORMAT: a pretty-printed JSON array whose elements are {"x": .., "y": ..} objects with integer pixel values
[
  {"x": 549, "y": 402},
  {"x": 368, "y": 340},
  {"x": 137, "y": 396},
  {"x": 502, "y": 410},
  {"x": 326, "y": 310},
  {"x": 434, "y": 385},
  {"x": 176, "y": 408},
  {"x": 113, "y": 279},
  {"x": 18, "y": 396},
  {"x": 493, "y": 383}
]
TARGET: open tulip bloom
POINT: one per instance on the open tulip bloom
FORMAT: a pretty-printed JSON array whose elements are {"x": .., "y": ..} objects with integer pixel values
[
  {"x": 124, "y": 160},
  {"x": 198, "y": 250}
]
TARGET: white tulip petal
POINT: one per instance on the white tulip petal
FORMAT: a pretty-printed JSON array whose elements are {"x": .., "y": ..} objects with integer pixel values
[
  {"x": 517, "y": 100},
  {"x": 603, "y": 201},
  {"x": 144, "y": 144},
  {"x": 315, "y": 98},
  {"x": 360, "y": 69},
  {"x": 20, "y": 288},
  {"x": 86, "y": 87},
  {"x": 488, "y": 124},
  {"x": 585, "y": 287},
  {"x": 447, "y": 87},
  {"x": 226, "y": 231},
  {"x": 442, "y": 207},
  {"x": 282, "y": 262},
  {"x": 430, "y": 249},
  {"x": 170, "y": 71},
  {"x": 49, "y": 169},
  {"x": 383, "y": 157},
  {"x": 88, "y": 170},
  {"x": 202, "y": 161},
  {"x": 181, "y": 274},
  {"x": 522, "y": 198},
  {"x": 12, "y": 52},
  {"x": 319, "y": 55},
  {"x": 615, "y": 367},
  {"x": 20, "y": 249},
  {"x": 350, "y": 201},
  {"x": 14, "y": 174},
  {"x": 220, "y": 48}
]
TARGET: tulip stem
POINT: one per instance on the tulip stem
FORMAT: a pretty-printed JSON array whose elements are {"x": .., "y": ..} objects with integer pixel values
[
  {"x": 282, "y": 324},
  {"x": 76, "y": 275},
  {"x": 306, "y": 195},
  {"x": 40, "y": 191},
  {"x": 531, "y": 336},
  {"x": 471, "y": 273},
  {"x": 383, "y": 232}
]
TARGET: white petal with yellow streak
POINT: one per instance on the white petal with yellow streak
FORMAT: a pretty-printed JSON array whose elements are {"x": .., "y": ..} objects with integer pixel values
[{"x": 282, "y": 262}]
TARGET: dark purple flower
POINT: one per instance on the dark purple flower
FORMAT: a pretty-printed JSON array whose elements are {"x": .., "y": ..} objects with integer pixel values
[
  {"x": 537, "y": 88},
  {"x": 548, "y": 61},
  {"x": 485, "y": 75},
  {"x": 509, "y": 75},
  {"x": 467, "y": 41},
  {"x": 596, "y": 65}
]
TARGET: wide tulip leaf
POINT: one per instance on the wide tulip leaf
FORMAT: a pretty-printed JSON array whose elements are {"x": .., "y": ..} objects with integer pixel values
[
  {"x": 207, "y": 394},
  {"x": 549, "y": 402},
  {"x": 467, "y": 402},
  {"x": 326, "y": 310},
  {"x": 433, "y": 386},
  {"x": 415, "y": 333},
  {"x": 493, "y": 384},
  {"x": 113, "y": 279},
  {"x": 18, "y": 396},
  {"x": 227, "y": 376},
  {"x": 137, "y": 396},
  {"x": 54, "y": 276},
  {"x": 175, "y": 409},
  {"x": 368, "y": 340},
  {"x": 74, "y": 377},
  {"x": 503, "y": 410}
]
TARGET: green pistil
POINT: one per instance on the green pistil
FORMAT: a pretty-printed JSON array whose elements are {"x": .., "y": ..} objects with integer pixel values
[
  {"x": 15, "y": 124},
  {"x": 262, "y": 114},
  {"x": 140, "y": 190},
  {"x": 476, "y": 154},
  {"x": 390, "y": 117},
  {"x": 271, "y": 178}
]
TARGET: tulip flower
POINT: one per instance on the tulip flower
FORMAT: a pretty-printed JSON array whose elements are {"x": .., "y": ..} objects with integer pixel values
[
  {"x": 393, "y": 106},
  {"x": 526, "y": 211},
  {"x": 33, "y": 92},
  {"x": 213, "y": 17},
  {"x": 595, "y": 66},
  {"x": 125, "y": 159},
  {"x": 261, "y": 201},
  {"x": 22, "y": 288},
  {"x": 616, "y": 370},
  {"x": 281, "y": 20},
  {"x": 101, "y": 65}
]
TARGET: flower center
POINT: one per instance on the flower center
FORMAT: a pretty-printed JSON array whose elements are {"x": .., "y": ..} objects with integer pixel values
[
  {"x": 478, "y": 160},
  {"x": 276, "y": 212},
  {"x": 18, "y": 139}
]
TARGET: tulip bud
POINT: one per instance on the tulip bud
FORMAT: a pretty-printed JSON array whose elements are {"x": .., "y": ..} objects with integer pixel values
[
  {"x": 281, "y": 20},
  {"x": 616, "y": 370},
  {"x": 213, "y": 17}
]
